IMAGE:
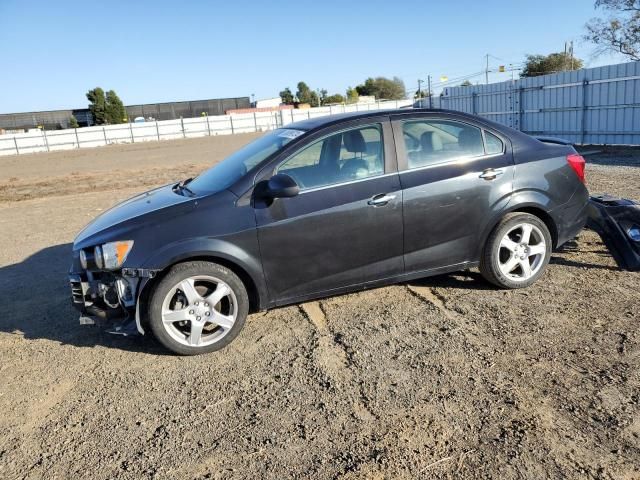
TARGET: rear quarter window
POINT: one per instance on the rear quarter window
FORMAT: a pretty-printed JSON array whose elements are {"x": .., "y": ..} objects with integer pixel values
[{"x": 492, "y": 144}]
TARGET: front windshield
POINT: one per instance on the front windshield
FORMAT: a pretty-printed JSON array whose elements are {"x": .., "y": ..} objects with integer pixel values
[{"x": 232, "y": 168}]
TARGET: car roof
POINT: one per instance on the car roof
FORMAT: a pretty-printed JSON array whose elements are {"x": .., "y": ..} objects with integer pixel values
[
  {"x": 315, "y": 124},
  {"x": 326, "y": 120}
]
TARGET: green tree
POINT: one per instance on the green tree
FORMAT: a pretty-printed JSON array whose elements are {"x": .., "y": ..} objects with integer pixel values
[
  {"x": 620, "y": 32},
  {"x": 466, "y": 83},
  {"x": 286, "y": 96},
  {"x": 303, "y": 94},
  {"x": 323, "y": 96},
  {"x": 352, "y": 95},
  {"x": 333, "y": 99},
  {"x": 383, "y": 88},
  {"x": 555, "y": 62},
  {"x": 73, "y": 122},
  {"x": 306, "y": 95},
  {"x": 366, "y": 88},
  {"x": 114, "y": 109},
  {"x": 97, "y": 103}
]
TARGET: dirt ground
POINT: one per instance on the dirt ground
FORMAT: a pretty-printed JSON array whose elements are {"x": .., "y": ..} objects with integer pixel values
[{"x": 441, "y": 378}]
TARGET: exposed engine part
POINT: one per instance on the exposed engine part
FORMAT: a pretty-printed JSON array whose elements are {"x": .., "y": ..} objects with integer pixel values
[
  {"x": 109, "y": 294},
  {"x": 139, "y": 272},
  {"x": 125, "y": 288}
]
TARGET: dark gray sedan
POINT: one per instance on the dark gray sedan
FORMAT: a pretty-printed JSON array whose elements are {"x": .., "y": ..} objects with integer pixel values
[{"x": 327, "y": 206}]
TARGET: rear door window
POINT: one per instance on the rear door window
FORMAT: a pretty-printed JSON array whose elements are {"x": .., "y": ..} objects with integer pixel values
[{"x": 434, "y": 141}]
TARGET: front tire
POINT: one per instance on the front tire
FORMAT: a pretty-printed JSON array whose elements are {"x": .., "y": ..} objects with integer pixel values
[
  {"x": 198, "y": 307},
  {"x": 517, "y": 251}
]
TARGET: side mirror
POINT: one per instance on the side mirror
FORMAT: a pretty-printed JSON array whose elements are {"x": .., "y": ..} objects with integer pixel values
[{"x": 282, "y": 186}]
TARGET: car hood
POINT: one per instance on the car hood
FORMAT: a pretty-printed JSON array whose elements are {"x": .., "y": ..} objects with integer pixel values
[{"x": 133, "y": 208}]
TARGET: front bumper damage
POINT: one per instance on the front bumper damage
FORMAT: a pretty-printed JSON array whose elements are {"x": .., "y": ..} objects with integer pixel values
[
  {"x": 617, "y": 221},
  {"x": 110, "y": 299}
]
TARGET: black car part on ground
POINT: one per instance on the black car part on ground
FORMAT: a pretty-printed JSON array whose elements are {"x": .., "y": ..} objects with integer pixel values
[{"x": 617, "y": 221}]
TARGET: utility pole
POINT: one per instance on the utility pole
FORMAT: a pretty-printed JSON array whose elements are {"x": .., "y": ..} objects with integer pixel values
[
  {"x": 419, "y": 89},
  {"x": 429, "y": 87},
  {"x": 486, "y": 71},
  {"x": 568, "y": 55},
  {"x": 571, "y": 49}
]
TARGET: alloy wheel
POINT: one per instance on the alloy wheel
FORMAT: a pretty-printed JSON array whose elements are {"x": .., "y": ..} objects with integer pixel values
[
  {"x": 199, "y": 311},
  {"x": 522, "y": 252}
]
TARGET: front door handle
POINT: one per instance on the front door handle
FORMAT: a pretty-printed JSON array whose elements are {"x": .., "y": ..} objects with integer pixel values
[
  {"x": 380, "y": 200},
  {"x": 491, "y": 174}
]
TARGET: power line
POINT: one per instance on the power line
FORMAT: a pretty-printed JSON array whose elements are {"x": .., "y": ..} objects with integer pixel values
[
  {"x": 457, "y": 79},
  {"x": 451, "y": 80},
  {"x": 461, "y": 78}
]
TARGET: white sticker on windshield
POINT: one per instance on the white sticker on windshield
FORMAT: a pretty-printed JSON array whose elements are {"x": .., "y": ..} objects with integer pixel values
[{"x": 290, "y": 133}]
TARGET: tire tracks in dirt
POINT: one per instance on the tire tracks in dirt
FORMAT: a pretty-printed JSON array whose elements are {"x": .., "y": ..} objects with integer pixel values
[
  {"x": 335, "y": 359},
  {"x": 460, "y": 323},
  {"x": 428, "y": 294}
]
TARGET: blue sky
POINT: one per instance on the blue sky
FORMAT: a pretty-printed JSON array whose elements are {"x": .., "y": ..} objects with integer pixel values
[{"x": 158, "y": 51}]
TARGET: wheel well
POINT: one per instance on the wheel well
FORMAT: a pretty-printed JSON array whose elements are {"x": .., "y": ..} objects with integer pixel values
[
  {"x": 252, "y": 290},
  {"x": 545, "y": 217}
]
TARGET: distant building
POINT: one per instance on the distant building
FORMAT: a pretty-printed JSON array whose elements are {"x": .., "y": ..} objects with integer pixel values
[
  {"x": 191, "y": 109},
  {"x": 57, "y": 119},
  {"x": 48, "y": 120},
  {"x": 267, "y": 103}
]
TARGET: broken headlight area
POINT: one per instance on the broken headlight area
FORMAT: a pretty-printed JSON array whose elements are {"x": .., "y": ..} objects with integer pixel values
[{"x": 103, "y": 297}]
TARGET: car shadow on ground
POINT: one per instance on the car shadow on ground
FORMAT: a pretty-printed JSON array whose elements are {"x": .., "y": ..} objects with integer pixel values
[
  {"x": 572, "y": 246},
  {"x": 470, "y": 279},
  {"x": 570, "y": 263},
  {"x": 36, "y": 303}
]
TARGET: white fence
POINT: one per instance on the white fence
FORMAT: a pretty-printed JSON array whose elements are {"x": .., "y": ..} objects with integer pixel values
[{"x": 47, "y": 141}]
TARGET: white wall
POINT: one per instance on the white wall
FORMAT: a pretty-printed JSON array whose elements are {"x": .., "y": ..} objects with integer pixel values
[
  {"x": 44, "y": 141},
  {"x": 268, "y": 102}
]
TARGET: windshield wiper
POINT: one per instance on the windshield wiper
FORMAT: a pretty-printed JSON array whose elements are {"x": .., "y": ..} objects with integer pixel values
[{"x": 183, "y": 186}]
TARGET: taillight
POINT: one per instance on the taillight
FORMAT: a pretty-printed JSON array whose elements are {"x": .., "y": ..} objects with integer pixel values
[{"x": 578, "y": 163}]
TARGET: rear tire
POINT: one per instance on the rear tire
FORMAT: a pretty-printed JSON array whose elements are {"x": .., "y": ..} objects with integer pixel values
[
  {"x": 517, "y": 251},
  {"x": 198, "y": 307}
]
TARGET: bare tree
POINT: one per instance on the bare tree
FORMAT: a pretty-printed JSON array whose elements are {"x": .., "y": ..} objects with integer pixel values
[{"x": 620, "y": 32}]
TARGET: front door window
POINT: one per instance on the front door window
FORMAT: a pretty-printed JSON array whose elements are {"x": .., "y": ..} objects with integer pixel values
[{"x": 342, "y": 157}]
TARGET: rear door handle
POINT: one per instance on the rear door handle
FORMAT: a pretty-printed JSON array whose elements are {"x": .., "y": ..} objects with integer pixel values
[
  {"x": 380, "y": 200},
  {"x": 491, "y": 174}
]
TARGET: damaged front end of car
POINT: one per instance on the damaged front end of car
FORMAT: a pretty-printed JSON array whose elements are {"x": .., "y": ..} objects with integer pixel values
[
  {"x": 106, "y": 294},
  {"x": 617, "y": 221},
  {"x": 107, "y": 274}
]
